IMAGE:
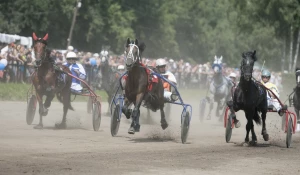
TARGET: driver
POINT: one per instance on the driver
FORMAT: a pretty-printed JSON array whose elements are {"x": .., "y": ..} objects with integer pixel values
[
  {"x": 161, "y": 67},
  {"x": 272, "y": 100},
  {"x": 76, "y": 69}
]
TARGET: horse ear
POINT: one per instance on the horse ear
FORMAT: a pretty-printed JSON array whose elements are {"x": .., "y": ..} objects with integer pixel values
[
  {"x": 127, "y": 42},
  {"x": 34, "y": 36},
  {"x": 221, "y": 58},
  {"x": 142, "y": 47},
  {"x": 45, "y": 37},
  {"x": 254, "y": 55},
  {"x": 136, "y": 42},
  {"x": 243, "y": 55},
  {"x": 215, "y": 57}
]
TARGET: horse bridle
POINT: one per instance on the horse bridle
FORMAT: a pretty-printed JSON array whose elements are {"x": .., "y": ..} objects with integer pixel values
[
  {"x": 131, "y": 56},
  {"x": 43, "y": 56}
]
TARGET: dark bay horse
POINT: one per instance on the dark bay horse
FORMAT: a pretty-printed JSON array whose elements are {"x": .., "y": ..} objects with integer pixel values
[
  {"x": 296, "y": 97},
  {"x": 45, "y": 81},
  {"x": 136, "y": 89},
  {"x": 250, "y": 96}
]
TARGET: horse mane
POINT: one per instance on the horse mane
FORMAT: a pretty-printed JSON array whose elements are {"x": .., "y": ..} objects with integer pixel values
[{"x": 297, "y": 68}]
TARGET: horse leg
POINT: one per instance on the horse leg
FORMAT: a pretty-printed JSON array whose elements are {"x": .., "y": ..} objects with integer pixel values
[
  {"x": 163, "y": 121},
  {"x": 254, "y": 138},
  {"x": 41, "y": 110},
  {"x": 297, "y": 114},
  {"x": 48, "y": 100},
  {"x": 264, "y": 130},
  {"x": 248, "y": 126},
  {"x": 127, "y": 112},
  {"x": 66, "y": 93},
  {"x": 211, "y": 106},
  {"x": 135, "y": 124}
]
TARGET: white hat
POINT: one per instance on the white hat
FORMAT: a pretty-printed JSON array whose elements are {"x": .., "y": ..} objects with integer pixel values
[
  {"x": 95, "y": 55},
  {"x": 70, "y": 48},
  {"x": 71, "y": 55},
  {"x": 121, "y": 67},
  {"x": 232, "y": 74},
  {"x": 160, "y": 62}
]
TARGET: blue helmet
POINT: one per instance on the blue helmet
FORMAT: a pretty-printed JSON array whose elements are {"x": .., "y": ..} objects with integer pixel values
[{"x": 266, "y": 73}]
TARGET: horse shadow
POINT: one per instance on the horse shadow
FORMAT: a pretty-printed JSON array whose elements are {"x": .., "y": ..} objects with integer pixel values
[
  {"x": 152, "y": 139},
  {"x": 68, "y": 128}
]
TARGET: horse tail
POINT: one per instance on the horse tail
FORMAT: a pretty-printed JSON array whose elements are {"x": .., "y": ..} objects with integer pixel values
[
  {"x": 257, "y": 118},
  {"x": 59, "y": 97}
]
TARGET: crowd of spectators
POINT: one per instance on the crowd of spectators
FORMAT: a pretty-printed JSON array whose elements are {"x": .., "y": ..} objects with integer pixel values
[{"x": 19, "y": 66}]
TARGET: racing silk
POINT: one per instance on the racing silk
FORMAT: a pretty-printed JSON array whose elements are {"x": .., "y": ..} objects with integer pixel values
[
  {"x": 79, "y": 67},
  {"x": 170, "y": 76},
  {"x": 272, "y": 87}
]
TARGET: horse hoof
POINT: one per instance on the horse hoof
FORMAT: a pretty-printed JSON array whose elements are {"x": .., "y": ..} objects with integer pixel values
[
  {"x": 131, "y": 130},
  {"x": 61, "y": 126},
  {"x": 39, "y": 126},
  {"x": 266, "y": 137},
  {"x": 237, "y": 124},
  {"x": 45, "y": 112},
  {"x": 164, "y": 125},
  {"x": 252, "y": 142}
]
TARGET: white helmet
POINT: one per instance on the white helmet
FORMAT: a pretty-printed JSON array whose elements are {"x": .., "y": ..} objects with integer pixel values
[
  {"x": 70, "y": 48},
  {"x": 232, "y": 74},
  {"x": 71, "y": 55},
  {"x": 121, "y": 67},
  {"x": 160, "y": 62}
]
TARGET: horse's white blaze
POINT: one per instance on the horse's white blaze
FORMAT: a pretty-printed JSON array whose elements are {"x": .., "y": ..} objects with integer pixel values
[
  {"x": 130, "y": 59},
  {"x": 298, "y": 79}
]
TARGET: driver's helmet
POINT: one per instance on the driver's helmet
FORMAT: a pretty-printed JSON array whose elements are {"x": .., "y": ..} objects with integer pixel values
[
  {"x": 160, "y": 62},
  {"x": 266, "y": 73},
  {"x": 121, "y": 67},
  {"x": 232, "y": 75},
  {"x": 71, "y": 56}
]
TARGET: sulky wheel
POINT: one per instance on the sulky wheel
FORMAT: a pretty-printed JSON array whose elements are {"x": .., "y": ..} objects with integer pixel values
[
  {"x": 31, "y": 107},
  {"x": 289, "y": 133},
  {"x": 89, "y": 105},
  {"x": 185, "y": 126},
  {"x": 202, "y": 109},
  {"x": 228, "y": 131},
  {"x": 96, "y": 115},
  {"x": 115, "y": 121}
]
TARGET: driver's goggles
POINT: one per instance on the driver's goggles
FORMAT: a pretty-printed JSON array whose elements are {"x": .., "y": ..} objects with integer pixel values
[{"x": 265, "y": 77}]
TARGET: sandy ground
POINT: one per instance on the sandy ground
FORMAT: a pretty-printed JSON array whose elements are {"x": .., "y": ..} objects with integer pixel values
[{"x": 80, "y": 150}]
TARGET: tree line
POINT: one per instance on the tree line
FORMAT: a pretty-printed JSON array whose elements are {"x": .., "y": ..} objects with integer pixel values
[{"x": 182, "y": 29}]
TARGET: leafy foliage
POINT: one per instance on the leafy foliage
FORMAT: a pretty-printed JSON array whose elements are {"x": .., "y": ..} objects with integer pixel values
[{"x": 190, "y": 29}]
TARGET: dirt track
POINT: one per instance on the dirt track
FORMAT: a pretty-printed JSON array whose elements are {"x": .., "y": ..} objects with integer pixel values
[{"x": 80, "y": 150}]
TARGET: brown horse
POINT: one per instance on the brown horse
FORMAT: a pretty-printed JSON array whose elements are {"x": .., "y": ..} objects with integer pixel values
[
  {"x": 45, "y": 81},
  {"x": 137, "y": 87}
]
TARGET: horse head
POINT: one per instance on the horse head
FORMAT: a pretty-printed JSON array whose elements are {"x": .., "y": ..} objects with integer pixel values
[
  {"x": 217, "y": 65},
  {"x": 39, "y": 47},
  {"x": 133, "y": 52},
  {"x": 298, "y": 76},
  {"x": 104, "y": 56},
  {"x": 247, "y": 64}
]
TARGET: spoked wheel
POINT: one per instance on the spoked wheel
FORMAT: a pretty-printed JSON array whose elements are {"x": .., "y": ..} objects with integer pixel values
[
  {"x": 96, "y": 115},
  {"x": 185, "y": 125},
  {"x": 289, "y": 133},
  {"x": 115, "y": 121},
  {"x": 168, "y": 111},
  {"x": 228, "y": 131},
  {"x": 31, "y": 107},
  {"x": 202, "y": 109}
]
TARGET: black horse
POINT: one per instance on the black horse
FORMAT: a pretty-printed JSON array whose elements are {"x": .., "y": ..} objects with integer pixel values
[
  {"x": 296, "y": 97},
  {"x": 250, "y": 96},
  {"x": 137, "y": 87}
]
